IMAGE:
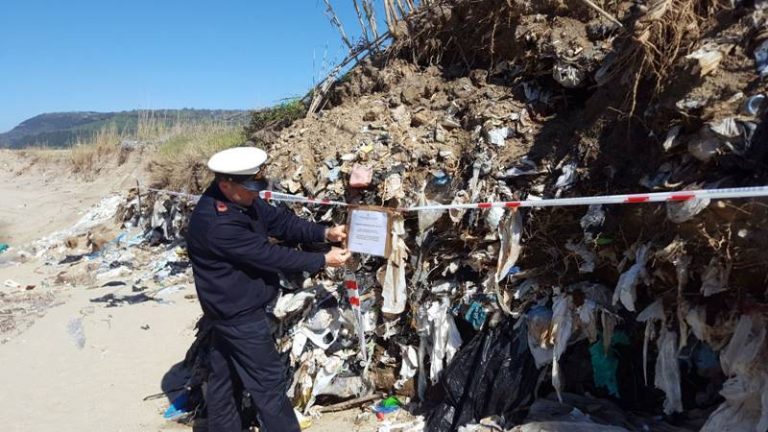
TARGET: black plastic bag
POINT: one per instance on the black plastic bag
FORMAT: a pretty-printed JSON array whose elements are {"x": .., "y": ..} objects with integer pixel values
[{"x": 493, "y": 375}]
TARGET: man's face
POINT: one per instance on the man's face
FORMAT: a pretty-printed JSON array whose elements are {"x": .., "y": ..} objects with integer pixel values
[{"x": 236, "y": 193}]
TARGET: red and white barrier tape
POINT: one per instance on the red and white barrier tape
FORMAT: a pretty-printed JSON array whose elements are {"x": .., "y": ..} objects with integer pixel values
[
  {"x": 353, "y": 294},
  {"x": 726, "y": 193}
]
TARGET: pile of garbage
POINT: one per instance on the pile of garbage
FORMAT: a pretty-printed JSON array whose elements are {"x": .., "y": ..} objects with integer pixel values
[
  {"x": 628, "y": 317},
  {"x": 657, "y": 308}
]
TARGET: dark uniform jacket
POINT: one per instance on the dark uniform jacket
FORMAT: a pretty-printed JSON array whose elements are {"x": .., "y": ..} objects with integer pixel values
[{"x": 233, "y": 261}]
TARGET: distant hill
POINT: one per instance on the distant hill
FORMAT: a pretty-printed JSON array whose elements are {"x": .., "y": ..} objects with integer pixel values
[{"x": 65, "y": 129}]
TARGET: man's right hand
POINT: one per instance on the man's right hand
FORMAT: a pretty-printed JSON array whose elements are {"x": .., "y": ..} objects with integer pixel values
[{"x": 337, "y": 257}]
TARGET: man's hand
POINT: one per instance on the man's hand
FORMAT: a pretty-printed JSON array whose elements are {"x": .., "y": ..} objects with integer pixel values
[
  {"x": 336, "y": 257},
  {"x": 336, "y": 234}
]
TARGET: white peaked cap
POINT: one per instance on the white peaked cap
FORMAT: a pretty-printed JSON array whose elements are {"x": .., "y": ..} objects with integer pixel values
[{"x": 238, "y": 161}]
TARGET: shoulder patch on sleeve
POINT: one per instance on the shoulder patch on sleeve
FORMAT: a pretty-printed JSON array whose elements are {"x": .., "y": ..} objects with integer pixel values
[{"x": 221, "y": 207}]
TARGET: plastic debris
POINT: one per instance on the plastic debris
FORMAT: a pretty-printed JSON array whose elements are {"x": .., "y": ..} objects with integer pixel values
[
  {"x": 626, "y": 288},
  {"x": 605, "y": 363},
  {"x": 388, "y": 405},
  {"x": 539, "y": 320},
  {"x": 560, "y": 333},
  {"x": 75, "y": 330},
  {"x": 394, "y": 287},
  {"x": 510, "y": 233},
  {"x": 361, "y": 176},
  {"x": 707, "y": 59},
  {"x": 588, "y": 259},
  {"x": 746, "y": 390},
  {"x": 568, "y": 75},
  {"x": 567, "y": 178},
  {"x": 491, "y": 375},
  {"x": 498, "y": 136},
  {"x": 178, "y": 407},
  {"x": 761, "y": 59},
  {"x": 679, "y": 212},
  {"x": 667, "y": 376},
  {"x": 476, "y": 315},
  {"x": 459, "y": 302},
  {"x": 592, "y": 221},
  {"x": 714, "y": 279},
  {"x": 445, "y": 339},
  {"x": 408, "y": 366},
  {"x": 12, "y": 284}
]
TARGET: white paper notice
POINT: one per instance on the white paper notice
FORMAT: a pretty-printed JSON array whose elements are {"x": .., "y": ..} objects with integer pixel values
[{"x": 368, "y": 232}]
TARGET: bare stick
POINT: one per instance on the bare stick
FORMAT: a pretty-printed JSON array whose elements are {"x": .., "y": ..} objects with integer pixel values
[
  {"x": 403, "y": 10},
  {"x": 363, "y": 27},
  {"x": 351, "y": 403},
  {"x": 370, "y": 14},
  {"x": 320, "y": 91},
  {"x": 335, "y": 21},
  {"x": 603, "y": 12},
  {"x": 390, "y": 12}
]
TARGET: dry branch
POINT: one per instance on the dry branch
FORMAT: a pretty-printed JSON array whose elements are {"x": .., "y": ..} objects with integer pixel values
[{"x": 602, "y": 12}]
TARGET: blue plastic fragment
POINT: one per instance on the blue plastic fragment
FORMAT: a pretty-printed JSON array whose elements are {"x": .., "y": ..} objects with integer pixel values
[
  {"x": 606, "y": 364},
  {"x": 177, "y": 407},
  {"x": 441, "y": 178},
  {"x": 476, "y": 315}
]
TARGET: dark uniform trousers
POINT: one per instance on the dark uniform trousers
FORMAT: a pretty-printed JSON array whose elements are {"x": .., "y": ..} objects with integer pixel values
[{"x": 246, "y": 350}]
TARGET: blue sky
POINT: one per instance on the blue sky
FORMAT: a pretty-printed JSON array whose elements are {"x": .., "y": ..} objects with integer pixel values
[{"x": 89, "y": 55}]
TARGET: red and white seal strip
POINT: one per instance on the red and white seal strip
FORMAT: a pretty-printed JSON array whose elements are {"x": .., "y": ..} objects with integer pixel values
[
  {"x": 725, "y": 193},
  {"x": 353, "y": 294}
]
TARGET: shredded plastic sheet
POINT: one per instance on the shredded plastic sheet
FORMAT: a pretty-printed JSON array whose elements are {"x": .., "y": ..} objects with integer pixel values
[
  {"x": 654, "y": 312},
  {"x": 667, "y": 371},
  {"x": 714, "y": 279},
  {"x": 567, "y": 178},
  {"x": 679, "y": 212},
  {"x": 539, "y": 320},
  {"x": 667, "y": 377},
  {"x": 510, "y": 232},
  {"x": 409, "y": 365},
  {"x": 596, "y": 305},
  {"x": 592, "y": 221},
  {"x": 493, "y": 217},
  {"x": 394, "y": 288},
  {"x": 322, "y": 327},
  {"x": 393, "y": 188},
  {"x": 461, "y": 197},
  {"x": 440, "y": 337},
  {"x": 626, "y": 288},
  {"x": 429, "y": 217},
  {"x": 291, "y": 302},
  {"x": 697, "y": 321},
  {"x": 588, "y": 258},
  {"x": 562, "y": 328},
  {"x": 745, "y": 361}
]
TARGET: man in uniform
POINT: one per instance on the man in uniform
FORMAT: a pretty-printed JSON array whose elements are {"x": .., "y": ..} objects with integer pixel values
[{"x": 235, "y": 268}]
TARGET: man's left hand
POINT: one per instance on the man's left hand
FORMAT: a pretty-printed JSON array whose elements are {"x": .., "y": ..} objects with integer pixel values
[{"x": 336, "y": 234}]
